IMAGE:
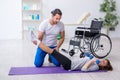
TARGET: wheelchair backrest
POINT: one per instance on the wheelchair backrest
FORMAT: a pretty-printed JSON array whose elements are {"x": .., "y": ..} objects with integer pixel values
[{"x": 96, "y": 26}]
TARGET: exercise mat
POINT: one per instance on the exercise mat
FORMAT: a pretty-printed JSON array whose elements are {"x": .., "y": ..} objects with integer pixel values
[{"x": 41, "y": 70}]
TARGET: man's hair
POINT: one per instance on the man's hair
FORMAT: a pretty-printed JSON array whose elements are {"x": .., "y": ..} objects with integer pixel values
[{"x": 56, "y": 11}]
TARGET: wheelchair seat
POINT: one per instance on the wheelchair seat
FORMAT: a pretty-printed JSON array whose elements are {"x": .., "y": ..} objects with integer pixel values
[{"x": 94, "y": 29}]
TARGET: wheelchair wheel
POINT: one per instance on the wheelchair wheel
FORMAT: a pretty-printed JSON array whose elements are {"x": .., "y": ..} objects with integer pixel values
[{"x": 101, "y": 45}]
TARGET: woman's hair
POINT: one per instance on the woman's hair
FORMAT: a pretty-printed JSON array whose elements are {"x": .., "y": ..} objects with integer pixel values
[
  {"x": 107, "y": 67},
  {"x": 56, "y": 11}
]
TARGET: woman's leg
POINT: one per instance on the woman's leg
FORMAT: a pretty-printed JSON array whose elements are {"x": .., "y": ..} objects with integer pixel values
[
  {"x": 66, "y": 63},
  {"x": 45, "y": 48}
]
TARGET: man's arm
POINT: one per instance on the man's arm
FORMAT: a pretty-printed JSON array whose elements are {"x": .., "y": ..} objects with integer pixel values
[
  {"x": 40, "y": 35},
  {"x": 62, "y": 37}
]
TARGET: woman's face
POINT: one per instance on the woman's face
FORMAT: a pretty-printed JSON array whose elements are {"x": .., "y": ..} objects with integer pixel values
[{"x": 103, "y": 62}]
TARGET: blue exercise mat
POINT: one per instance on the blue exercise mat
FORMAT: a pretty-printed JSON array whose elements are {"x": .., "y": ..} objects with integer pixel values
[{"x": 41, "y": 70}]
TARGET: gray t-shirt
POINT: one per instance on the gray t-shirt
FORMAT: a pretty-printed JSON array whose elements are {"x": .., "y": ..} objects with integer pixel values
[
  {"x": 77, "y": 64},
  {"x": 50, "y": 32}
]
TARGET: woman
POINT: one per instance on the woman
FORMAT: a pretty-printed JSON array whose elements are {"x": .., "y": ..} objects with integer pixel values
[{"x": 83, "y": 64}]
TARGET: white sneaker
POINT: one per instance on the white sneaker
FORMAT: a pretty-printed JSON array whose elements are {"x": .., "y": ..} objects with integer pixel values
[{"x": 34, "y": 38}]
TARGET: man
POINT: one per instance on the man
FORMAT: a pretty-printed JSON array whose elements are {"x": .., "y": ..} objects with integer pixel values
[{"x": 48, "y": 31}]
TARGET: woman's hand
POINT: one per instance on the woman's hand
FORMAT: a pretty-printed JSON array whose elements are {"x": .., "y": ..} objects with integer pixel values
[{"x": 94, "y": 59}]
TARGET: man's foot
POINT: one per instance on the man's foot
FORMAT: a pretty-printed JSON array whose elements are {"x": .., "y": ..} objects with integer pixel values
[{"x": 34, "y": 38}]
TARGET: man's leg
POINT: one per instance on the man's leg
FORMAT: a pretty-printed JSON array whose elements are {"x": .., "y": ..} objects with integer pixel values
[
  {"x": 53, "y": 59},
  {"x": 39, "y": 58},
  {"x": 49, "y": 59},
  {"x": 66, "y": 63}
]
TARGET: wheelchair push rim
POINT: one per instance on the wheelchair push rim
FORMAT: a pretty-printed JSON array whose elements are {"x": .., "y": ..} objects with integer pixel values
[{"x": 101, "y": 45}]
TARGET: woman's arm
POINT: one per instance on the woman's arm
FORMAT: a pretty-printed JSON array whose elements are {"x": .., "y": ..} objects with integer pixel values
[{"x": 88, "y": 64}]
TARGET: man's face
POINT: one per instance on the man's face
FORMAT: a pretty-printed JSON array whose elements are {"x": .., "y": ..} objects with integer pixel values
[{"x": 56, "y": 18}]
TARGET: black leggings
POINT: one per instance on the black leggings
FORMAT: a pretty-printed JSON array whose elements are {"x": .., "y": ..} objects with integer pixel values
[{"x": 66, "y": 63}]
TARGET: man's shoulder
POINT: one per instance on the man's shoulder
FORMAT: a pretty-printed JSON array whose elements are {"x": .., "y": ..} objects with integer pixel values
[
  {"x": 61, "y": 23},
  {"x": 44, "y": 22}
]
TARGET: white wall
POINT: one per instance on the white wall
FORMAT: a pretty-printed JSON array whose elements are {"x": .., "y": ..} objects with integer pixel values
[
  {"x": 73, "y": 9},
  {"x": 10, "y": 19},
  {"x": 10, "y": 15}
]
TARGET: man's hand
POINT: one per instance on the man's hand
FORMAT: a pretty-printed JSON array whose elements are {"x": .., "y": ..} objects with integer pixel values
[{"x": 57, "y": 49}]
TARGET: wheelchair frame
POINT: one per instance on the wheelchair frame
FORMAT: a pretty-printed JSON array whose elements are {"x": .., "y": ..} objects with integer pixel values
[{"x": 89, "y": 40}]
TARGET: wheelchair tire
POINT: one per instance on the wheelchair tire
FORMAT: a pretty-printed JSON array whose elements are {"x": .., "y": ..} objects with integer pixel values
[
  {"x": 101, "y": 45},
  {"x": 71, "y": 52}
]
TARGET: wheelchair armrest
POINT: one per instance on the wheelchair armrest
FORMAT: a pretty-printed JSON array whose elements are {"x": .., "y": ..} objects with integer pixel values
[
  {"x": 93, "y": 28},
  {"x": 87, "y": 28},
  {"x": 82, "y": 28}
]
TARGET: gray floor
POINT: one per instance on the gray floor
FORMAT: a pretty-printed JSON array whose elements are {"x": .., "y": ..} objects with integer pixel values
[{"x": 19, "y": 53}]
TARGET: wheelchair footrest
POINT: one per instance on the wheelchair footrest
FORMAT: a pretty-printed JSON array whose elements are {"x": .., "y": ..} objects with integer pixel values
[{"x": 74, "y": 43}]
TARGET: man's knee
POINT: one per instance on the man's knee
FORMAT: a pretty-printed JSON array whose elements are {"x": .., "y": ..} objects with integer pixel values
[
  {"x": 38, "y": 64},
  {"x": 39, "y": 58}
]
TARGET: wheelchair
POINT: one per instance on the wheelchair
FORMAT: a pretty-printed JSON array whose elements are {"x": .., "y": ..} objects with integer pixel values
[{"x": 90, "y": 40}]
